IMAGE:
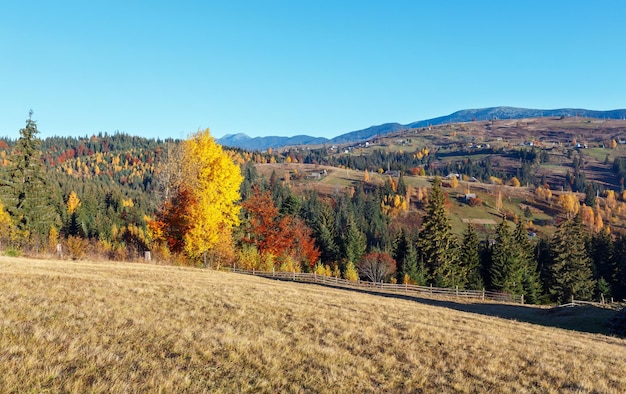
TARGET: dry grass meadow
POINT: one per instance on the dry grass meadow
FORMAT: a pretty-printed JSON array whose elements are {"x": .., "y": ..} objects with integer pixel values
[{"x": 121, "y": 327}]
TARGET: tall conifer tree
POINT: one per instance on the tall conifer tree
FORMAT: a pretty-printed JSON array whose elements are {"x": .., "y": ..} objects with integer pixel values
[
  {"x": 530, "y": 275},
  {"x": 356, "y": 244},
  {"x": 470, "y": 258},
  {"x": 25, "y": 194},
  {"x": 406, "y": 259},
  {"x": 437, "y": 245},
  {"x": 619, "y": 253},
  {"x": 506, "y": 262},
  {"x": 571, "y": 268},
  {"x": 602, "y": 254}
]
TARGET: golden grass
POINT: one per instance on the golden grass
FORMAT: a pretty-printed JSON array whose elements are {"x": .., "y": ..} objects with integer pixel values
[{"x": 115, "y": 327}]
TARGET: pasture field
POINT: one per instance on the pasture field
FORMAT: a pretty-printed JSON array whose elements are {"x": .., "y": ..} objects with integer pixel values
[{"x": 68, "y": 326}]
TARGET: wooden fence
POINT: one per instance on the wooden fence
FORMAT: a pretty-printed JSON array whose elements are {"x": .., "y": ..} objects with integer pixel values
[
  {"x": 602, "y": 302},
  {"x": 386, "y": 287}
]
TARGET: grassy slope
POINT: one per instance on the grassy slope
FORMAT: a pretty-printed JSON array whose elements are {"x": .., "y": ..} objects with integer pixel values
[
  {"x": 340, "y": 180},
  {"x": 79, "y": 326}
]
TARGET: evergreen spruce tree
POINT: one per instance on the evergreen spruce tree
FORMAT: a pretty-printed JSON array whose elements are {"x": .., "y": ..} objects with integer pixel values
[
  {"x": 24, "y": 191},
  {"x": 619, "y": 253},
  {"x": 485, "y": 251},
  {"x": 401, "y": 187},
  {"x": 437, "y": 245},
  {"x": 506, "y": 262},
  {"x": 405, "y": 255},
  {"x": 250, "y": 176},
  {"x": 356, "y": 244},
  {"x": 358, "y": 204},
  {"x": 602, "y": 254},
  {"x": 590, "y": 195},
  {"x": 543, "y": 257},
  {"x": 325, "y": 234},
  {"x": 387, "y": 189},
  {"x": 320, "y": 217},
  {"x": 571, "y": 269},
  {"x": 291, "y": 205},
  {"x": 470, "y": 258},
  {"x": 530, "y": 275},
  {"x": 377, "y": 226},
  {"x": 399, "y": 253}
]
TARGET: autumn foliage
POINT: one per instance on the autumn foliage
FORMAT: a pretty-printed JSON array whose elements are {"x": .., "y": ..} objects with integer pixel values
[
  {"x": 275, "y": 235},
  {"x": 202, "y": 209},
  {"x": 173, "y": 221}
]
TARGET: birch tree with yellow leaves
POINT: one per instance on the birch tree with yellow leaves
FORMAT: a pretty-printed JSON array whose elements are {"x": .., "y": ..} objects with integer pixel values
[
  {"x": 215, "y": 180},
  {"x": 202, "y": 208}
]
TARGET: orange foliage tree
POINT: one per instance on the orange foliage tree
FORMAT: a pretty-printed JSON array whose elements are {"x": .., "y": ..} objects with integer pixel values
[
  {"x": 275, "y": 235},
  {"x": 172, "y": 221}
]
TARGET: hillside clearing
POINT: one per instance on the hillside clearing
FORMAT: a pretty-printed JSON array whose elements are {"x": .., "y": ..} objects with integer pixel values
[{"x": 82, "y": 326}]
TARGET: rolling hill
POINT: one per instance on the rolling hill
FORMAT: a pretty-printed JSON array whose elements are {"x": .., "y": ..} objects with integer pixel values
[{"x": 261, "y": 143}]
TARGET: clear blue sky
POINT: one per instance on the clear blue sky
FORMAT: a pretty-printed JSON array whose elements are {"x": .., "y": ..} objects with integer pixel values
[{"x": 323, "y": 68}]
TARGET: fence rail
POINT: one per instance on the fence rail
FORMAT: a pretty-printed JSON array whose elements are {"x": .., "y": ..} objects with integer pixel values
[
  {"x": 574, "y": 302},
  {"x": 388, "y": 287}
]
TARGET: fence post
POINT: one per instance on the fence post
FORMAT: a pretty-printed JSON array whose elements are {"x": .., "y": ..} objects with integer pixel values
[
  {"x": 294, "y": 275},
  {"x": 252, "y": 271},
  {"x": 573, "y": 300},
  {"x": 602, "y": 297},
  {"x": 522, "y": 299},
  {"x": 457, "y": 290},
  {"x": 273, "y": 272},
  {"x": 431, "y": 288},
  {"x": 483, "y": 294},
  {"x": 406, "y": 287}
]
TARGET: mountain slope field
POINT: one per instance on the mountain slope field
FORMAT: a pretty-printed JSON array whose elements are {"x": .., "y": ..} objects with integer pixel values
[{"x": 86, "y": 326}]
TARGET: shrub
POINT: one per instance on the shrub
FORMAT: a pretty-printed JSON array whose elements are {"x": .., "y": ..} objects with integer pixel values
[
  {"x": 351, "y": 274},
  {"x": 289, "y": 264},
  {"x": 77, "y": 247},
  {"x": 321, "y": 269},
  {"x": 248, "y": 258},
  {"x": 267, "y": 262},
  {"x": 12, "y": 252}
]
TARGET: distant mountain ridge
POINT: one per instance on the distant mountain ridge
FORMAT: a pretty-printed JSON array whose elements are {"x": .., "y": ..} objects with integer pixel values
[
  {"x": 481, "y": 114},
  {"x": 243, "y": 141}
]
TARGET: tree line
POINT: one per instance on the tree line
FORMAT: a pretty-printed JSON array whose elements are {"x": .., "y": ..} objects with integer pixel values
[
  {"x": 351, "y": 230},
  {"x": 196, "y": 203}
]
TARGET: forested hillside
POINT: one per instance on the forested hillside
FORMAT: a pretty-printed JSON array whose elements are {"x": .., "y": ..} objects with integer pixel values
[
  {"x": 419, "y": 207},
  {"x": 98, "y": 188}
]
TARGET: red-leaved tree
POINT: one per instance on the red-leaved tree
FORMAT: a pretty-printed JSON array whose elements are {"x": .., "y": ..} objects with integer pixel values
[
  {"x": 172, "y": 220},
  {"x": 276, "y": 235}
]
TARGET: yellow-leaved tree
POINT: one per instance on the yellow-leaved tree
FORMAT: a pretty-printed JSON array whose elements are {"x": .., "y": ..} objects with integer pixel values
[
  {"x": 570, "y": 204},
  {"x": 73, "y": 202},
  {"x": 214, "y": 181},
  {"x": 7, "y": 228}
]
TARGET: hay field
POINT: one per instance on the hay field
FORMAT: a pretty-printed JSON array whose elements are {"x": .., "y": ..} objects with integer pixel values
[{"x": 120, "y": 327}]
